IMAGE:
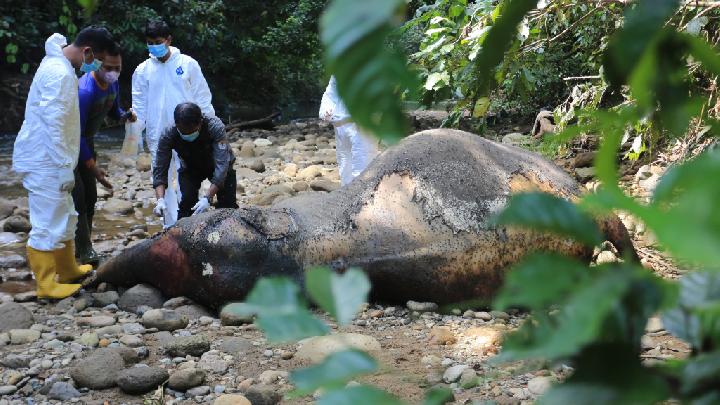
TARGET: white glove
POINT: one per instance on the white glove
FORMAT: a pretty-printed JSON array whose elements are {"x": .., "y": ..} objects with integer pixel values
[
  {"x": 66, "y": 178},
  {"x": 160, "y": 207},
  {"x": 202, "y": 205}
]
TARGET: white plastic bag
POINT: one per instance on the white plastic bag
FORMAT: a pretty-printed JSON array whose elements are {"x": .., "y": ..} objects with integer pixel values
[{"x": 133, "y": 137}]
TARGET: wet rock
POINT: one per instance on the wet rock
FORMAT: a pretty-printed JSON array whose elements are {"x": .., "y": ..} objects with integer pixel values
[
  {"x": 118, "y": 207},
  {"x": 12, "y": 260},
  {"x": 99, "y": 370},
  {"x": 323, "y": 184},
  {"x": 140, "y": 295},
  {"x": 105, "y": 298},
  {"x": 235, "y": 345},
  {"x": 315, "y": 349},
  {"x": 17, "y": 223},
  {"x": 183, "y": 346},
  {"x": 15, "y": 316},
  {"x": 164, "y": 319},
  {"x": 184, "y": 379},
  {"x": 231, "y": 399},
  {"x": 422, "y": 306},
  {"x": 193, "y": 311},
  {"x": 140, "y": 380},
  {"x": 539, "y": 385},
  {"x": 263, "y": 395},
  {"x": 231, "y": 315},
  {"x": 63, "y": 391},
  {"x": 95, "y": 321},
  {"x": 272, "y": 376},
  {"x": 23, "y": 336},
  {"x": 452, "y": 374}
]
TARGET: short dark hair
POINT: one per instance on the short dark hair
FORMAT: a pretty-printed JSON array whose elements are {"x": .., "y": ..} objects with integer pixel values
[
  {"x": 157, "y": 29},
  {"x": 187, "y": 114},
  {"x": 116, "y": 50},
  {"x": 96, "y": 37}
]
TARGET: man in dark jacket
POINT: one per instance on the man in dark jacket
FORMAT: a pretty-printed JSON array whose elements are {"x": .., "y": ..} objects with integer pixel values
[{"x": 204, "y": 153}]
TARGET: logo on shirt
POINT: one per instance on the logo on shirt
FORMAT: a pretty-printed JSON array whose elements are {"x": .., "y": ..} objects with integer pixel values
[{"x": 179, "y": 71}]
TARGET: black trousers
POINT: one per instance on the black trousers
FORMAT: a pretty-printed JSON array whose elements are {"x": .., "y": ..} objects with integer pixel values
[
  {"x": 190, "y": 185},
  {"x": 84, "y": 193}
]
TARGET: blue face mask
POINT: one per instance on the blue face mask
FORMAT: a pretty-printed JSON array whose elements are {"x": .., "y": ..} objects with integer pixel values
[
  {"x": 158, "y": 51},
  {"x": 189, "y": 137},
  {"x": 90, "y": 67}
]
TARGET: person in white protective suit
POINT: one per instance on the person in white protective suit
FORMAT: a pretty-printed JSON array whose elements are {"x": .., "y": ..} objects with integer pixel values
[
  {"x": 166, "y": 79},
  {"x": 354, "y": 149},
  {"x": 46, "y": 152}
]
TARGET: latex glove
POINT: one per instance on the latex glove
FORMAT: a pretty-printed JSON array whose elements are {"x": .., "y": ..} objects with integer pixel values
[
  {"x": 160, "y": 207},
  {"x": 66, "y": 178},
  {"x": 202, "y": 205}
]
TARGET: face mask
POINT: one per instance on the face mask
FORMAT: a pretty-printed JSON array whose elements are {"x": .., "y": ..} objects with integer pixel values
[
  {"x": 111, "y": 77},
  {"x": 189, "y": 137},
  {"x": 90, "y": 67},
  {"x": 158, "y": 51}
]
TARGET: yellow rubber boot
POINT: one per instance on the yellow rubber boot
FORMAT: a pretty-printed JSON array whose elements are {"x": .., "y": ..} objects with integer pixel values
[
  {"x": 43, "y": 266},
  {"x": 67, "y": 268}
]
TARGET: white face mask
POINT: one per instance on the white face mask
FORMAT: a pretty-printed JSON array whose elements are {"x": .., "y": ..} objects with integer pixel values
[{"x": 111, "y": 77}]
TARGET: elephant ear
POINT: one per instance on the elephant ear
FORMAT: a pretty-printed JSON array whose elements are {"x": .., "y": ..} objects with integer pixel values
[{"x": 273, "y": 223}]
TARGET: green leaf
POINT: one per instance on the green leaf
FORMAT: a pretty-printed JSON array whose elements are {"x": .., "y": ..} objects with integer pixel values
[
  {"x": 362, "y": 394},
  {"x": 545, "y": 212},
  {"x": 274, "y": 295},
  {"x": 522, "y": 283},
  {"x": 438, "y": 396},
  {"x": 370, "y": 77},
  {"x": 701, "y": 373},
  {"x": 498, "y": 41},
  {"x": 340, "y": 295},
  {"x": 291, "y": 327},
  {"x": 694, "y": 317},
  {"x": 334, "y": 372}
]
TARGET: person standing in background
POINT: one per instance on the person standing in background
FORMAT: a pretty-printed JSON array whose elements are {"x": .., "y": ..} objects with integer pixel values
[{"x": 166, "y": 79}]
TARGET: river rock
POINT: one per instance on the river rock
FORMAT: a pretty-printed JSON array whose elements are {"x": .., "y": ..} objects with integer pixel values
[
  {"x": 272, "y": 376},
  {"x": 184, "y": 379},
  {"x": 315, "y": 349},
  {"x": 132, "y": 341},
  {"x": 584, "y": 174},
  {"x": 17, "y": 223},
  {"x": 95, "y": 321},
  {"x": 231, "y": 399},
  {"x": 143, "y": 162},
  {"x": 16, "y": 361},
  {"x": 23, "y": 336},
  {"x": 539, "y": 385},
  {"x": 133, "y": 328},
  {"x": 164, "y": 319},
  {"x": 99, "y": 370},
  {"x": 7, "y": 390},
  {"x": 231, "y": 315},
  {"x": 6, "y": 208},
  {"x": 310, "y": 172},
  {"x": 247, "y": 150},
  {"x": 63, "y": 391},
  {"x": 183, "y": 346},
  {"x": 422, "y": 306},
  {"x": 323, "y": 184},
  {"x": 262, "y": 142},
  {"x": 8, "y": 238},
  {"x": 89, "y": 339},
  {"x": 140, "y": 295},
  {"x": 174, "y": 303},
  {"x": 193, "y": 311},
  {"x": 140, "y": 379},
  {"x": 15, "y": 316},
  {"x": 255, "y": 164},
  {"x": 291, "y": 169},
  {"x": 118, "y": 207},
  {"x": 452, "y": 374},
  {"x": 516, "y": 139},
  {"x": 263, "y": 395},
  {"x": 235, "y": 345},
  {"x": 105, "y": 298},
  {"x": 213, "y": 363},
  {"x": 12, "y": 260}
]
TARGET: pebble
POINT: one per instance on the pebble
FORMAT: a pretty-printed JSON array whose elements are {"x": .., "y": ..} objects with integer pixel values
[
  {"x": 99, "y": 370},
  {"x": 141, "y": 295},
  {"x": 230, "y": 315},
  {"x": 15, "y": 316},
  {"x": 23, "y": 336},
  {"x": 105, "y": 298},
  {"x": 95, "y": 321},
  {"x": 198, "y": 391},
  {"x": 452, "y": 374},
  {"x": 89, "y": 339},
  {"x": 164, "y": 319},
  {"x": 422, "y": 306},
  {"x": 194, "y": 345},
  {"x": 231, "y": 399},
  {"x": 7, "y": 389},
  {"x": 63, "y": 391},
  {"x": 185, "y": 379},
  {"x": 272, "y": 376},
  {"x": 140, "y": 380},
  {"x": 132, "y": 340},
  {"x": 539, "y": 385}
]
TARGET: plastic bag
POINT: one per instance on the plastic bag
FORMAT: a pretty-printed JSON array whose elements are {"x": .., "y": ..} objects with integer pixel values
[{"x": 133, "y": 137}]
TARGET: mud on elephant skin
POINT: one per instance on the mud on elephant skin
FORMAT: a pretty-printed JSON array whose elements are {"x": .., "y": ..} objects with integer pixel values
[{"x": 417, "y": 220}]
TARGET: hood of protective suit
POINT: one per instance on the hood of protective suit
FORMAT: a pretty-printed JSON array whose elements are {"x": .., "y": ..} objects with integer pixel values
[{"x": 54, "y": 45}]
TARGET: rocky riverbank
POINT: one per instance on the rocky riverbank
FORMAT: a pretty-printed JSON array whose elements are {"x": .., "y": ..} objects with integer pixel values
[{"x": 134, "y": 346}]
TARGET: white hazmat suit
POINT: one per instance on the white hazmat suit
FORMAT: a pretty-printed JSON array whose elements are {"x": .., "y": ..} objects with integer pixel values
[
  {"x": 157, "y": 88},
  {"x": 47, "y": 147},
  {"x": 354, "y": 149}
]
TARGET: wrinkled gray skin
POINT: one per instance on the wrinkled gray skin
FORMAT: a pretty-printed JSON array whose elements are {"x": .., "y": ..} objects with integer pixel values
[{"x": 416, "y": 220}]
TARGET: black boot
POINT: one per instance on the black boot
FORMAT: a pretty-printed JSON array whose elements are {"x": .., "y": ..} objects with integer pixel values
[{"x": 83, "y": 245}]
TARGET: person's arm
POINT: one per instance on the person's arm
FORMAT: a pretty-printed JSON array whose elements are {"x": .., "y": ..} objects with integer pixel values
[
  {"x": 139, "y": 95},
  {"x": 200, "y": 90},
  {"x": 222, "y": 155},
  {"x": 58, "y": 94},
  {"x": 162, "y": 163}
]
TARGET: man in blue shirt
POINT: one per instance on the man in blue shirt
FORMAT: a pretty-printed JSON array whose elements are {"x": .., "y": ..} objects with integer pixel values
[{"x": 99, "y": 97}]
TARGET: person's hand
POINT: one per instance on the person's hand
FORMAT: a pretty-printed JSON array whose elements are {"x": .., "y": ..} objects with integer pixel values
[
  {"x": 129, "y": 116},
  {"x": 66, "y": 178},
  {"x": 100, "y": 176},
  {"x": 202, "y": 205},
  {"x": 160, "y": 207},
  {"x": 327, "y": 116}
]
